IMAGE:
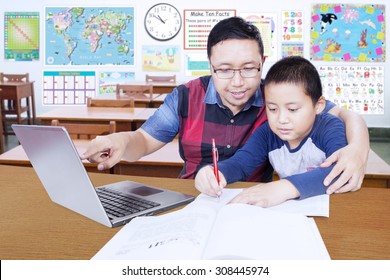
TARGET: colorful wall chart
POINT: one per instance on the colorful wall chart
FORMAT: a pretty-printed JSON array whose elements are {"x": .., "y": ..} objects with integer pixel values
[
  {"x": 109, "y": 80},
  {"x": 266, "y": 23},
  {"x": 68, "y": 87},
  {"x": 356, "y": 88},
  {"x": 292, "y": 33},
  {"x": 348, "y": 32},
  {"x": 21, "y": 36},
  {"x": 161, "y": 58},
  {"x": 197, "y": 64},
  {"x": 89, "y": 36},
  {"x": 198, "y": 24}
]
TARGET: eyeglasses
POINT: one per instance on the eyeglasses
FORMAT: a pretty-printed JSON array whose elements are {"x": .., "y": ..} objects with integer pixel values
[{"x": 244, "y": 72}]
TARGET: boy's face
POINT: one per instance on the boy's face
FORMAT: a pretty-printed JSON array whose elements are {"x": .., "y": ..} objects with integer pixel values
[
  {"x": 290, "y": 111},
  {"x": 236, "y": 54}
]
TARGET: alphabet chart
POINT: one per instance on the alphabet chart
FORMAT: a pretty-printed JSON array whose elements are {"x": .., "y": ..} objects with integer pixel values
[{"x": 356, "y": 88}]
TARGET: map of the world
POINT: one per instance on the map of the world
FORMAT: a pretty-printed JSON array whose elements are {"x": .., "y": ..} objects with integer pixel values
[{"x": 89, "y": 36}]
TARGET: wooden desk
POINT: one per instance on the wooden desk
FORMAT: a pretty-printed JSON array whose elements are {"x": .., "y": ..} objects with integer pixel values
[
  {"x": 126, "y": 118},
  {"x": 377, "y": 172},
  {"x": 33, "y": 227},
  {"x": 158, "y": 100},
  {"x": 8, "y": 90},
  {"x": 158, "y": 87},
  {"x": 146, "y": 102},
  {"x": 165, "y": 162}
]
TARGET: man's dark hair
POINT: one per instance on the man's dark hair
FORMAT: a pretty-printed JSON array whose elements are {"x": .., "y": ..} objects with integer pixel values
[
  {"x": 299, "y": 71},
  {"x": 233, "y": 28}
]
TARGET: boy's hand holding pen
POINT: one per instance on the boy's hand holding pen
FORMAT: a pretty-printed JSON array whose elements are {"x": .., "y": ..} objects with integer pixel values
[{"x": 209, "y": 180}]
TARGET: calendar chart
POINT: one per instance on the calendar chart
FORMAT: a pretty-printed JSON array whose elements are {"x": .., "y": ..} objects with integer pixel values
[{"x": 68, "y": 87}]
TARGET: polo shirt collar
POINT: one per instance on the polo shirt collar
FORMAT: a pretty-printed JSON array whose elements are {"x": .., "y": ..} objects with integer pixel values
[{"x": 212, "y": 97}]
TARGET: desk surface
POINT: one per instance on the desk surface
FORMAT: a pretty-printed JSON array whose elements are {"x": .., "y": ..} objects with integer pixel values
[
  {"x": 84, "y": 113},
  {"x": 33, "y": 227},
  {"x": 167, "y": 155}
]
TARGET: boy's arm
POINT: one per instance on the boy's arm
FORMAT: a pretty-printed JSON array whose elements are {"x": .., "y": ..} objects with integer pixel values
[
  {"x": 351, "y": 160},
  {"x": 267, "y": 195}
]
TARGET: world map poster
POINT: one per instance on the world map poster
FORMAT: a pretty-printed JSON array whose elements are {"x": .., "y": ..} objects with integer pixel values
[
  {"x": 89, "y": 36},
  {"x": 348, "y": 32}
]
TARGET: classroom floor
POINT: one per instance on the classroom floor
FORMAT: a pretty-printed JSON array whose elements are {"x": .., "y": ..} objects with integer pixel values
[{"x": 381, "y": 148}]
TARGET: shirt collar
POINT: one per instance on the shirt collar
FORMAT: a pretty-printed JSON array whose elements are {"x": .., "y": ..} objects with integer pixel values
[{"x": 212, "y": 97}]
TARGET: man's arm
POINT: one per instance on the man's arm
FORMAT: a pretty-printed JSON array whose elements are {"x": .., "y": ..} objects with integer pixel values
[
  {"x": 351, "y": 160},
  {"x": 108, "y": 150}
]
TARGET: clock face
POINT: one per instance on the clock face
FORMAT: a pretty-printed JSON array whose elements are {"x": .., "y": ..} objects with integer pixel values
[{"x": 163, "y": 22}]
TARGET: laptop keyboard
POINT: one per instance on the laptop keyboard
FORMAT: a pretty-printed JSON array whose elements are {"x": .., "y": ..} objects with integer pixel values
[{"x": 118, "y": 205}]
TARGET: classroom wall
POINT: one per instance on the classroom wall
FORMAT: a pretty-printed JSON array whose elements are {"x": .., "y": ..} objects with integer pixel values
[{"x": 36, "y": 68}]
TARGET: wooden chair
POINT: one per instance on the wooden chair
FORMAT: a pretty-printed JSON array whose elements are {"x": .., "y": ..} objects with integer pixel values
[
  {"x": 134, "y": 91},
  {"x": 86, "y": 131},
  {"x": 16, "y": 78},
  {"x": 13, "y": 108},
  {"x": 160, "y": 79},
  {"x": 118, "y": 103}
]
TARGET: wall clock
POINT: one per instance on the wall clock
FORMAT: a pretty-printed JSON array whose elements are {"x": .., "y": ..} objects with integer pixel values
[{"x": 163, "y": 21}]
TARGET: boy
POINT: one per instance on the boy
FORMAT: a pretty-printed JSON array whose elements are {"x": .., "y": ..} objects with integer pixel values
[{"x": 296, "y": 140}]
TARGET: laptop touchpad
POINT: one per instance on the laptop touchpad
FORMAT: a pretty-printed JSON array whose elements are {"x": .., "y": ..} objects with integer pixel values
[{"x": 144, "y": 191}]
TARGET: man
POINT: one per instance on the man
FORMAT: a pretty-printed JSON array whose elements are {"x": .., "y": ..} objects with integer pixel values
[{"x": 227, "y": 106}]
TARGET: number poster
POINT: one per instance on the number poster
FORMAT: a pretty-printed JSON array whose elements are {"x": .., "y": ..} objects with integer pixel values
[{"x": 292, "y": 33}]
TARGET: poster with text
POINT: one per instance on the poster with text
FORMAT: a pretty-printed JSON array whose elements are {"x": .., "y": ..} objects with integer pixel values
[
  {"x": 68, "y": 87},
  {"x": 266, "y": 23},
  {"x": 198, "y": 24},
  {"x": 356, "y": 88},
  {"x": 348, "y": 32}
]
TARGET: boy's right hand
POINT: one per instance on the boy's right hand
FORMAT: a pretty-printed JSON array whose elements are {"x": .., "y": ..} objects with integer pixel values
[{"x": 206, "y": 183}]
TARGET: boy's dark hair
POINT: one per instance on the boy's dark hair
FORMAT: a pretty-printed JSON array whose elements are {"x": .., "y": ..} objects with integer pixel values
[
  {"x": 233, "y": 28},
  {"x": 296, "y": 70}
]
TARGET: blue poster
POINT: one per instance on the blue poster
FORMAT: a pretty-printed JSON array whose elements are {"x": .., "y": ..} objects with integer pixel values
[
  {"x": 89, "y": 36},
  {"x": 348, "y": 32}
]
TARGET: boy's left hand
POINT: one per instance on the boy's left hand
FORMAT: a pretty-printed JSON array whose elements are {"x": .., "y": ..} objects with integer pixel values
[
  {"x": 267, "y": 195},
  {"x": 350, "y": 165}
]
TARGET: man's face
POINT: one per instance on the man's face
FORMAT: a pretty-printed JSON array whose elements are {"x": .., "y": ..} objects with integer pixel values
[{"x": 236, "y": 54}]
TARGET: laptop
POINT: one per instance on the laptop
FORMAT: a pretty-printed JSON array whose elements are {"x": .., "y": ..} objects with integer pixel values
[{"x": 63, "y": 175}]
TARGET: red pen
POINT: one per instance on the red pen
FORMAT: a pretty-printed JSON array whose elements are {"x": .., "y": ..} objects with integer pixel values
[{"x": 215, "y": 159}]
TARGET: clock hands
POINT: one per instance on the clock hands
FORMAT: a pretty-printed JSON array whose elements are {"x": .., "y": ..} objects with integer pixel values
[{"x": 159, "y": 18}]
